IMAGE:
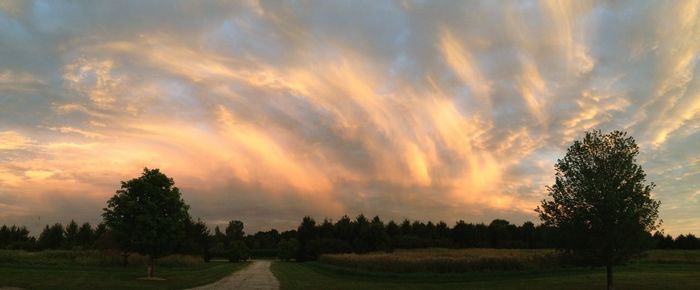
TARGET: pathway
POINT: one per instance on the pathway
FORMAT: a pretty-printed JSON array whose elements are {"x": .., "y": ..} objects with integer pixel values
[{"x": 256, "y": 276}]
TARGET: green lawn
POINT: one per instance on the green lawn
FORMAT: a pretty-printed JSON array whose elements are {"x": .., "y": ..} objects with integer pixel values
[
  {"x": 634, "y": 276},
  {"x": 103, "y": 277}
]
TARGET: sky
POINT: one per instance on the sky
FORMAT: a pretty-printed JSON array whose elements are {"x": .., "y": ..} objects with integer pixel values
[{"x": 269, "y": 111}]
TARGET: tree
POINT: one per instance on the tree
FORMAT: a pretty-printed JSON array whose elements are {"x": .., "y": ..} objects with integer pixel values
[
  {"x": 305, "y": 234},
  {"x": 147, "y": 215},
  {"x": 84, "y": 238},
  {"x": 601, "y": 203},
  {"x": 287, "y": 249},
  {"x": 51, "y": 237},
  {"x": 237, "y": 251},
  {"x": 202, "y": 238},
  {"x": 71, "y": 235},
  {"x": 234, "y": 231}
]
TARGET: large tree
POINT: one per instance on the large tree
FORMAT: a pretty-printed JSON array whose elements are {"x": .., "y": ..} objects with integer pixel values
[
  {"x": 601, "y": 202},
  {"x": 147, "y": 215}
]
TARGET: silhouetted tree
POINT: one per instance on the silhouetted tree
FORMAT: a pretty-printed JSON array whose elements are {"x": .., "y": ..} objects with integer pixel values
[
  {"x": 148, "y": 215},
  {"x": 393, "y": 232},
  {"x": 234, "y": 231},
  {"x": 84, "y": 237},
  {"x": 528, "y": 235},
  {"x": 15, "y": 238},
  {"x": 287, "y": 249},
  {"x": 238, "y": 251},
  {"x": 306, "y": 233},
  {"x": 687, "y": 242},
  {"x": 199, "y": 240},
  {"x": 71, "y": 237},
  {"x": 601, "y": 203},
  {"x": 51, "y": 237}
]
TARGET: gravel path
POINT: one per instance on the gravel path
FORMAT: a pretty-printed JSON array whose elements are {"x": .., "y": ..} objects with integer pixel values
[{"x": 256, "y": 276}]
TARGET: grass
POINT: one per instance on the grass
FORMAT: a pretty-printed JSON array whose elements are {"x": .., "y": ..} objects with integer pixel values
[
  {"x": 671, "y": 257},
  {"x": 89, "y": 270},
  {"x": 634, "y": 276},
  {"x": 447, "y": 260},
  {"x": 89, "y": 258},
  {"x": 485, "y": 269}
]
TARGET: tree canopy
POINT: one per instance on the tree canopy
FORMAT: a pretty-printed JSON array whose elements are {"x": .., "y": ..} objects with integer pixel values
[
  {"x": 148, "y": 215},
  {"x": 601, "y": 202}
]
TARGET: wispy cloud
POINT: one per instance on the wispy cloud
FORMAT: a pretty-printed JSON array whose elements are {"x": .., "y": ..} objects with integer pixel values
[{"x": 267, "y": 111}]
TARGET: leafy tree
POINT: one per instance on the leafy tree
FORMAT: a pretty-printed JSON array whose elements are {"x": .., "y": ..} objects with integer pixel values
[
  {"x": 234, "y": 231},
  {"x": 148, "y": 215},
  {"x": 500, "y": 233},
  {"x": 238, "y": 251},
  {"x": 601, "y": 203},
  {"x": 220, "y": 237}
]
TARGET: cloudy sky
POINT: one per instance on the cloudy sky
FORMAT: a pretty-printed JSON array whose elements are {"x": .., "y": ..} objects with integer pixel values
[{"x": 269, "y": 111}]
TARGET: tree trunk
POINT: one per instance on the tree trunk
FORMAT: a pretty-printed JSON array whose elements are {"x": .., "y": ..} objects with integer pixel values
[
  {"x": 125, "y": 256},
  {"x": 610, "y": 276},
  {"x": 151, "y": 265}
]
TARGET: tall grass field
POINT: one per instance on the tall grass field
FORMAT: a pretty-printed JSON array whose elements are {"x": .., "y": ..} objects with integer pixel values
[
  {"x": 439, "y": 260},
  {"x": 90, "y": 258}
]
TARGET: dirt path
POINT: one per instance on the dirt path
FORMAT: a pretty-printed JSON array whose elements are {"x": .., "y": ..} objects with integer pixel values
[{"x": 256, "y": 276}]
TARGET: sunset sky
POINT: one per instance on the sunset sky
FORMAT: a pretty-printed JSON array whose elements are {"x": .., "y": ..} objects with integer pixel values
[{"x": 269, "y": 111}]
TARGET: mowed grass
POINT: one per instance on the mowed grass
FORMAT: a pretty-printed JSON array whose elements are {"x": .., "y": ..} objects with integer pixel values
[
  {"x": 658, "y": 270},
  {"x": 84, "y": 270}
]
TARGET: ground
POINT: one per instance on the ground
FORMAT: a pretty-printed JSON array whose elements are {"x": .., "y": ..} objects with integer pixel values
[
  {"x": 255, "y": 276},
  {"x": 99, "y": 277},
  {"x": 635, "y": 276}
]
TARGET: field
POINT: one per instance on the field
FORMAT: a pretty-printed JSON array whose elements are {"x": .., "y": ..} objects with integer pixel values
[
  {"x": 400, "y": 270},
  {"x": 447, "y": 260},
  {"x": 92, "y": 270}
]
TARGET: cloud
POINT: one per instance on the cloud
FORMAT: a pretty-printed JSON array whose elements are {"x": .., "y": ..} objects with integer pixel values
[{"x": 269, "y": 111}]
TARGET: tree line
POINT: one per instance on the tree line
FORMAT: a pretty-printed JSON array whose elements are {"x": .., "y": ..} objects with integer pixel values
[{"x": 346, "y": 235}]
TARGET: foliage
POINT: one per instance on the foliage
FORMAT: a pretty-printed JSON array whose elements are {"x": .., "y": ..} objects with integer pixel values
[
  {"x": 237, "y": 251},
  {"x": 16, "y": 238},
  {"x": 52, "y": 237},
  {"x": 287, "y": 249},
  {"x": 601, "y": 203},
  {"x": 147, "y": 215}
]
